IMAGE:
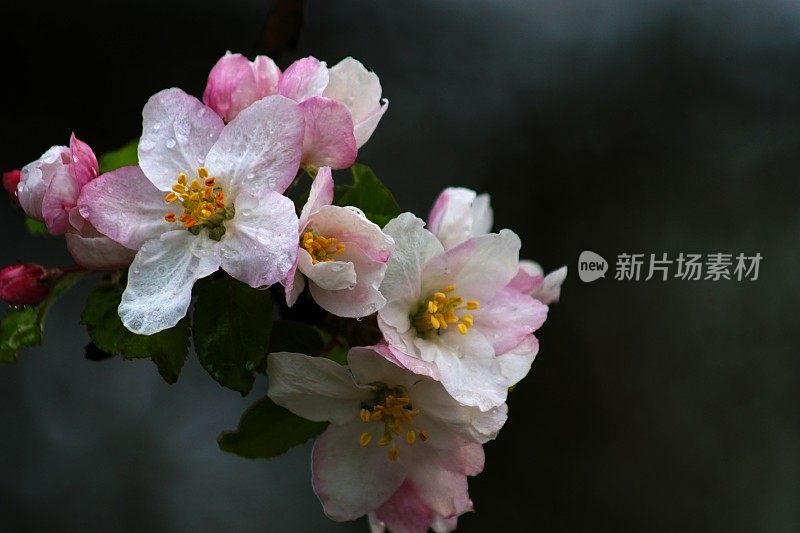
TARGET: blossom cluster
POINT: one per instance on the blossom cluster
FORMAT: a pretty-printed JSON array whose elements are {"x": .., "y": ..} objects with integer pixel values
[{"x": 453, "y": 308}]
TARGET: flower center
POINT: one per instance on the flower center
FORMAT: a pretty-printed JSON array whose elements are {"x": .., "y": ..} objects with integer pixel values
[
  {"x": 320, "y": 248},
  {"x": 441, "y": 309},
  {"x": 203, "y": 204},
  {"x": 393, "y": 408}
]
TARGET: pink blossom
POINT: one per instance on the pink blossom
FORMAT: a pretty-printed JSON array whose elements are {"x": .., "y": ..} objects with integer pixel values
[
  {"x": 205, "y": 195},
  {"x": 407, "y": 512},
  {"x": 48, "y": 191},
  {"x": 460, "y": 214},
  {"x": 451, "y": 315},
  {"x": 342, "y": 254},
  {"x": 393, "y": 435},
  {"x": 23, "y": 285}
]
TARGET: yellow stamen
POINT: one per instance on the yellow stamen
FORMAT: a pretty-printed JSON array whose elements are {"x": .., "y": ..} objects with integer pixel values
[
  {"x": 392, "y": 408},
  {"x": 202, "y": 172},
  {"x": 364, "y": 414},
  {"x": 169, "y": 217},
  {"x": 411, "y": 436},
  {"x": 441, "y": 309},
  {"x": 423, "y": 436},
  {"x": 364, "y": 439},
  {"x": 393, "y": 454},
  {"x": 171, "y": 197},
  {"x": 210, "y": 182},
  {"x": 319, "y": 247},
  {"x": 384, "y": 440},
  {"x": 202, "y": 202},
  {"x": 182, "y": 178}
]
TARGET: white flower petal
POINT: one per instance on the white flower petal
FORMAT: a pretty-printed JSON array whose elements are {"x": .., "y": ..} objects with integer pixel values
[
  {"x": 315, "y": 388},
  {"x": 161, "y": 278},
  {"x": 177, "y": 132}
]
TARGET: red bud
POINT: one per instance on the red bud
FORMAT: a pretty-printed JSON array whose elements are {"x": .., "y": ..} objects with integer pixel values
[
  {"x": 23, "y": 284},
  {"x": 10, "y": 182}
]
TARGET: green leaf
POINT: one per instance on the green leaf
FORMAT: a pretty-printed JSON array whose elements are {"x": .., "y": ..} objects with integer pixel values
[
  {"x": 23, "y": 327},
  {"x": 168, "y": 349},
  {"x": 122, "y": 157},
  {"x": 368, "y": 194},
  {"x": 291, "y": 336},
  {"x": 36, "y": 227},
  {"x": 232, "y": 324},
  {"x": 268, "y": 430}
]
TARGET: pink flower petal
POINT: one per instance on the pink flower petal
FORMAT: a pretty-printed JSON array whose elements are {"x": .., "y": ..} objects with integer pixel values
[
  {"x": 84, "y": 163},
  {"x": 304, "y": 79},
  {"x": 329, "y": 139},
  {"x": 360, "y": 90},
  {"x": 177, "y": 132},
  {"x": 235, "y": 83},
  {"x": 61, "y": 197},
  {"x": 35, "y": 177},
  {"x": 508, "y": 318},
  {"x": 351, "y": 480},
  {"x": 349, "y": 225},
  {"x": 261, "y": 147},
  {"x": 321, "y": 194},
  {"x": 363, "y": 297},
  {"x": 98, "y": 252},
  {"x": 126, "y": 206},
  {"x": 405, "y": 512}
]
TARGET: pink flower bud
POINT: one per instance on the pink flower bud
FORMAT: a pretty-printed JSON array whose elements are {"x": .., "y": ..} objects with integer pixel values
[
  {"x": 10, "y": 182},
  {"x": 235, "y": 82},
  {"x": 23, "y": 284}
]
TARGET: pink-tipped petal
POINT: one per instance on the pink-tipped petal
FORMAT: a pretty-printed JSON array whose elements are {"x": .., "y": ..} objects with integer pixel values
[
  {"x": 459, "y": 214},
  {"x": 329, "y": 139},
  {"x": 161, "y": 278},
  {"x": 405, "y": 512},
  {"x": 234, "y": 83},
  {"x": 177, "y": 132},
  {"x": 360, "y": 90},
  {"x": 349, "y": 225},
  {"x": 125, "y": 206},
  {"x": 315, "y": 388},
  {"x": 293, "y": 285},
  {"x": 550, "y": 289},
  {"x": 516, "y": 363},
  {"x": 84, "y": 163},
  {"x": 321, "y": 194},
  {"x": 35, "y": 178},
  {"x": 351, "y": 480},
  {"x": 260, "y": 245},
  {"x": 363, "y": 297},
  {"x": 508, "y": 318},
  {"x": 305, "y": 78},
  {"x": 261, "y": 147},
  {"x": 59, "y": 199},
  {"x": 97, "y": 252}
]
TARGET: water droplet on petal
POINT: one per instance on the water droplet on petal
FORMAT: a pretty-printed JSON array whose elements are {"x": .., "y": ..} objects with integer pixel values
[
  {"x": 170, "y": 143},
  {"x": 156, "y": 126}
]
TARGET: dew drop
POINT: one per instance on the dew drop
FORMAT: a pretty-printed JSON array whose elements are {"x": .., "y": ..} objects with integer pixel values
[
  {"x": 170, "y": 143},
  {"x": 156, "y": 126}
]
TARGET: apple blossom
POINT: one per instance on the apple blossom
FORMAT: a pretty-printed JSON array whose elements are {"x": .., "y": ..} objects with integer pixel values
[
  {"x": 204, "y": 196},
  {"x": 48, "y": 191},
  {"x": 390, "y": 430},
  {"x": 342, "y": 254},
  {"x": 450, "y": 314},
  {"x": 459, "y": 214}
]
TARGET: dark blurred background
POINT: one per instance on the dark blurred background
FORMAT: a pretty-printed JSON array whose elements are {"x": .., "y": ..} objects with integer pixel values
[{"x": 615, "y": 126}]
